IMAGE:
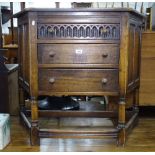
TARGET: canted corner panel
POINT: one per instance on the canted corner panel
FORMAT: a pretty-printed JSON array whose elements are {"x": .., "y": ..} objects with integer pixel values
[{"x": 79, "y": 31}]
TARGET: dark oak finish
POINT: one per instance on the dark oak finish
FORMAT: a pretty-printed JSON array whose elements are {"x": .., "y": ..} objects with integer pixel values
[
  {"x": 85, "y": 52},
  {"x": 78, "y": 53},
  {"x": 78, "y": 80}
]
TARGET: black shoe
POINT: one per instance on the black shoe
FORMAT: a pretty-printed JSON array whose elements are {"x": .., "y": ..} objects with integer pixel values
[
  {"x": 58, "y": 103},
  {"x": 43, "y": 104}
]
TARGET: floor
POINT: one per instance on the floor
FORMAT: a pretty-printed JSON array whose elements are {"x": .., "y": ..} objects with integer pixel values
[{"x": 142, "y": 139}]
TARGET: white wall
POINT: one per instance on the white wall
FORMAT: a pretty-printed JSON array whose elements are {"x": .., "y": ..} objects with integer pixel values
[
  {"x": 40, "y": 4},
  {"x": 50, "y": 4},
  {"x": 118, "y": 4}
]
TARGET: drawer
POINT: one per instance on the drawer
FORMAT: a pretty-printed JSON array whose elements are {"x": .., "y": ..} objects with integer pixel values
[
  {"x": 78, "y": 80},
  {"x": 78, "y": 53}
]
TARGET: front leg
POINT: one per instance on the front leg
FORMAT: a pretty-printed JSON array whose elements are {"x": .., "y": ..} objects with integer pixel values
[
  {"x": 121, "y": 122},
  {"x": 34, "y": 131}
]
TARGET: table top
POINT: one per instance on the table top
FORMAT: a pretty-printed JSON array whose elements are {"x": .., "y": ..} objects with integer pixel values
[{"x": 77, "y": 10}]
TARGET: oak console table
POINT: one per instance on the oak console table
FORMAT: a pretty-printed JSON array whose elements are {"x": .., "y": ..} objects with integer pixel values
[{"x": 84, "y": 52}]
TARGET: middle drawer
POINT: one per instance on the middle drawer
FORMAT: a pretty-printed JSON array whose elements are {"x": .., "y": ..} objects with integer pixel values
[{"x": 78, "y": 53}]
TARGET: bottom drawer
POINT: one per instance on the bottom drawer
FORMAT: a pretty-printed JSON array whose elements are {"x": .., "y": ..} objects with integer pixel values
[{"x": 78, "y": 80}]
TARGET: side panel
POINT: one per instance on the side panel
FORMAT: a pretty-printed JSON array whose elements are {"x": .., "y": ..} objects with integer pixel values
[
  {"x": 27, "y": 53},
  {"x": 23, "y": 51},
  {"x": 134, "y": 53}
]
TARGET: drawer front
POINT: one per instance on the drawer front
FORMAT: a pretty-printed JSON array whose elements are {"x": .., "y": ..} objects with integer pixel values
[
  {"x": 78, "y": 80},
  {"x": 78, "y": 53}
]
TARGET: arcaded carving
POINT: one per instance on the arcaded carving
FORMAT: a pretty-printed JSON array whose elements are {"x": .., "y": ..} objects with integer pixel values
[{"x": 79, "y": 31}]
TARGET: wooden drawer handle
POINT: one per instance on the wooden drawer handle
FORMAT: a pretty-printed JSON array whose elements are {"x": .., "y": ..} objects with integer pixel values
[
  {"x": 51, "y": 80},
  {"x": 104, "y": 81},
  {"x": 104, "y": 55},
  {"x": 51, "y": 54}
]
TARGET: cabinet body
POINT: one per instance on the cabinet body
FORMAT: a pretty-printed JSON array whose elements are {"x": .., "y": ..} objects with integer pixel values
[{"x": 80, "y": 52}]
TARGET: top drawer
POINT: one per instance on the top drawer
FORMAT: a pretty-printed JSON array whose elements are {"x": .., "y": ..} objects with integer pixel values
[{"x": 78, "y": 53}]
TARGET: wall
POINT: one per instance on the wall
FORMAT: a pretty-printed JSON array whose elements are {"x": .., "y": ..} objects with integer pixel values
[{"x": 118, "y": 4}]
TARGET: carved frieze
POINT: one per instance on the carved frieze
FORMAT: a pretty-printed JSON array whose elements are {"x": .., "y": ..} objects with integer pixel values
[{"x": 79, "y": 31}]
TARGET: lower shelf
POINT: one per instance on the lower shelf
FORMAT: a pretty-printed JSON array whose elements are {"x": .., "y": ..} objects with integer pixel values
[
  {"x": 73, "y": 127},
  {"x": 93, "y": 122},
  {"x": 79, "y": 132},
  {"x": 76, "y": 127}
]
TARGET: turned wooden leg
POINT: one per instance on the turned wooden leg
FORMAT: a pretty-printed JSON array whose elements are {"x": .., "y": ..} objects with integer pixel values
[
  {"x": 121, "y": 122},
  {"x": 34, "y": 136}
]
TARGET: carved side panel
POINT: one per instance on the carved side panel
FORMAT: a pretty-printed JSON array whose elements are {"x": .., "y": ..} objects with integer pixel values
[
  {"x": 79, "y": 31},
  {"x": 130, "y": 54},
  {"x": 137, "y": 53},
  {"x": 134, "y": 53},
  {"x": 26, "y": 54},
  {"x": 23, "y": 54}
]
